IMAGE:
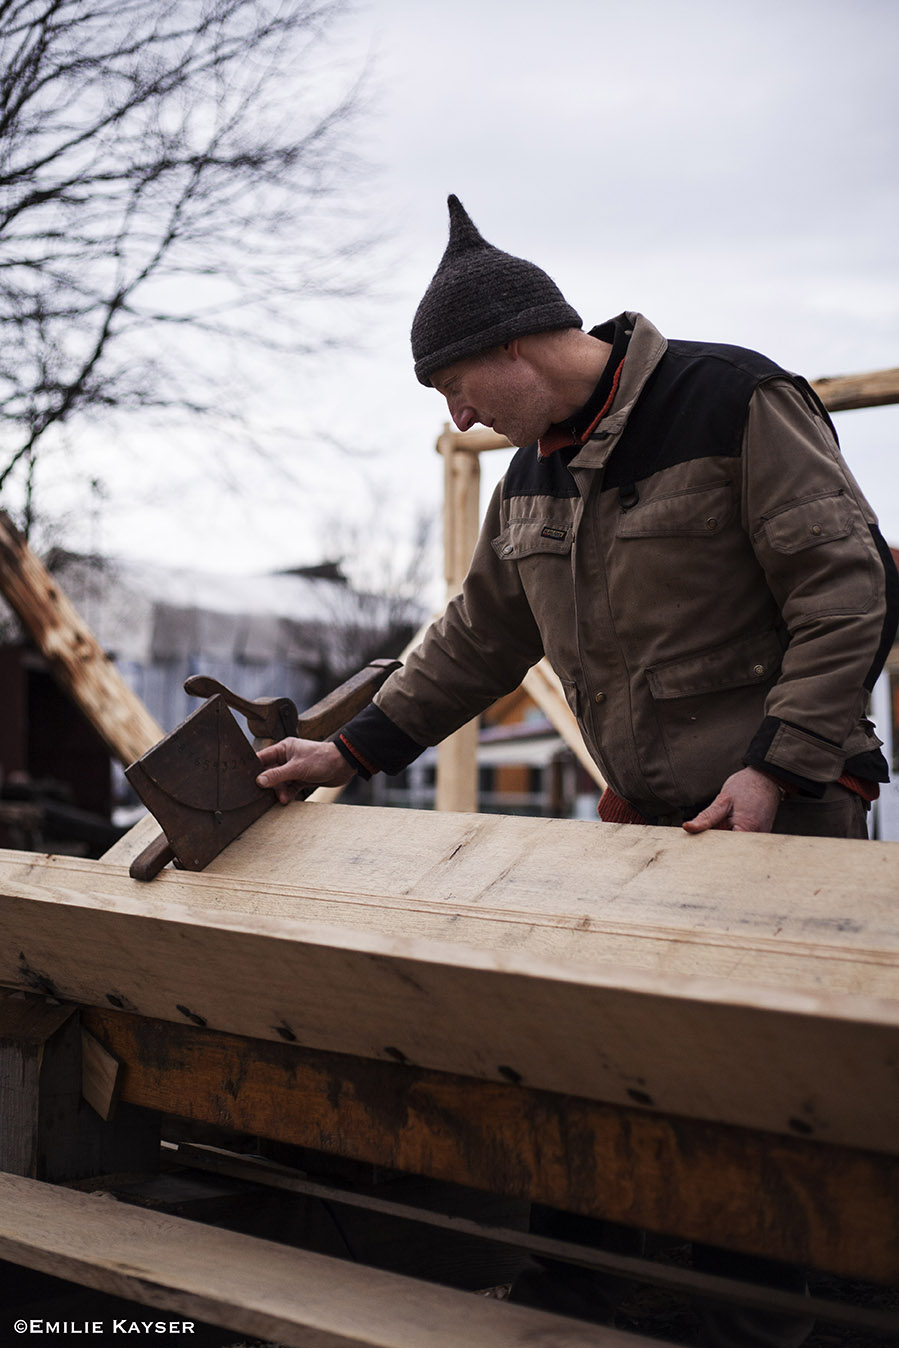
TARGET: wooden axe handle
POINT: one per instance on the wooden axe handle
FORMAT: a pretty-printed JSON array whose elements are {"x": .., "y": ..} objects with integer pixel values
[{"x": 333, "y": 711}]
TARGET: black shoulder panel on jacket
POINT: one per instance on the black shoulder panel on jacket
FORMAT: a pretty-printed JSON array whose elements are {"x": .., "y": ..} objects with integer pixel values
[
  {"x": 529, "y": 475},
  {"x": 693, "y": 406}
]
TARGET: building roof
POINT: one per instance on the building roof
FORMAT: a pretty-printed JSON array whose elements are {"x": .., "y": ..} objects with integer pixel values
[{"x": 144, "y": 612}]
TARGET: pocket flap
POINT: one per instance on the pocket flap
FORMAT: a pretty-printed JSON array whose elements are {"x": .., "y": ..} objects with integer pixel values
[
  {"x": 754, "y": 659},
  {"x": 521, "y": 538},
  {"x": 809, "y": 523},
  {"x": 700, "y": 510}
]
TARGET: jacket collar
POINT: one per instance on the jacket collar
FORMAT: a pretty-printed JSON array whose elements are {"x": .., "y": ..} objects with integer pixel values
[
  {"x": 645, "y": 348},
  {"x": 574, "y": 432}
]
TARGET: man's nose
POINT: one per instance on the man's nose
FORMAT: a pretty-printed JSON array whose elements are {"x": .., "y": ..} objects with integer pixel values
[{"x": 463, "y": 417}]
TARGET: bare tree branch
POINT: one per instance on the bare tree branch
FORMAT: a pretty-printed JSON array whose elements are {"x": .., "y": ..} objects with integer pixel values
[{"x": 167, "y": 167}]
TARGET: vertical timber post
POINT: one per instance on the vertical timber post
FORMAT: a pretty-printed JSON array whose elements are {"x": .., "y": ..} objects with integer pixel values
[{"x": 457, "y": 756}]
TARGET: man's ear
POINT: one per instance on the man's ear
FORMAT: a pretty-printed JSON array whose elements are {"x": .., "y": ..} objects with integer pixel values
[{"x": 512, "y": 348}]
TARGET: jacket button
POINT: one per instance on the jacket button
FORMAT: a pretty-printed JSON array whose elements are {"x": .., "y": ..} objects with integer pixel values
[
  {"x": 711, "y": 523},
  {"x": 508, "y": 549},
  {"x": 816, "y": 529},
  {"x": 599, "y": 697},
  {"x": 758, "y": 670}
]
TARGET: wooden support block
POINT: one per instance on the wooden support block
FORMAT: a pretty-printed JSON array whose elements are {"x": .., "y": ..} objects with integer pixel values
[
  {"x": 48, "y": 1130},
  {"x": 791, "y": 1199},
  {"x": 100, "y": 1073},
  {"x": 256, "y": 1287}
]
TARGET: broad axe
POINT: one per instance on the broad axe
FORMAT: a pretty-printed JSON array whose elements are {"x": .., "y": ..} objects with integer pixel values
[{"x": 199, "y": 782}]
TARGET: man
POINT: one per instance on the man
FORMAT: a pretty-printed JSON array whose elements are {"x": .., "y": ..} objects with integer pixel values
[{"x": 682, "y": 539}]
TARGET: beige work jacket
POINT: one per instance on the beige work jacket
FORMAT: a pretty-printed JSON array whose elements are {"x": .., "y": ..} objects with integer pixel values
[{"x": 731, "y": 615}]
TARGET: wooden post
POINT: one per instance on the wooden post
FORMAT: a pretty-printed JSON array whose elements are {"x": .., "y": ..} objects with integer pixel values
[
  {"x": 75, "y": 656},
  {"x": 49, "y": 1130},
  {"x": 457, "y": 756}
]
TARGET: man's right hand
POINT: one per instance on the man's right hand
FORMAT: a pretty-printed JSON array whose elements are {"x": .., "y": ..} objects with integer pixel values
[{"x": 292, "y": 764}]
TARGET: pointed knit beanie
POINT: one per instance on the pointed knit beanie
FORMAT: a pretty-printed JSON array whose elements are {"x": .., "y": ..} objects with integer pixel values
[{"x": 480, "y": 297}]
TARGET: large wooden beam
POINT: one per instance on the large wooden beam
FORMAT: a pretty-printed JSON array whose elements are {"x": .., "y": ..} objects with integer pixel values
[
  {"x": 269, "y": 1291},
  {"x": 810, "y": 1060},
  {"x": 75, "y": 656},
  {"x": 787, "y": 1198}
]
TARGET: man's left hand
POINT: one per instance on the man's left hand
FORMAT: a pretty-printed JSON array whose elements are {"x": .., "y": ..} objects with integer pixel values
[{"x": 746, "y": 803}]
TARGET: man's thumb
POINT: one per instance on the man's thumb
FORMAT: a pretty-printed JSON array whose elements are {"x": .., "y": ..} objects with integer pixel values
[{"x": 710, "y": 817}]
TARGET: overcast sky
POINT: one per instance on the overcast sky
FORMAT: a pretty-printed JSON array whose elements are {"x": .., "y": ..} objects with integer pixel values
[{"x": 727, "y": 169}]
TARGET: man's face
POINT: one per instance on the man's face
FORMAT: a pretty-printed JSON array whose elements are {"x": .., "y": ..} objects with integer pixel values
[{"x": 498, "y": 389}]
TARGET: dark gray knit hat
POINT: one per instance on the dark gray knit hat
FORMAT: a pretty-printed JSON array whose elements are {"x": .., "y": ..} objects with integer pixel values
[{"x": 480, "y": 297}]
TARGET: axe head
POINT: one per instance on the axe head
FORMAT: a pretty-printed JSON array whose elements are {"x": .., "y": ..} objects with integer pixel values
[{"x": 200, "y": 784}]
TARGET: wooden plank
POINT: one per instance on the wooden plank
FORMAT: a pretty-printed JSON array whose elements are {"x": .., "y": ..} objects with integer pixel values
[
  {"x": 270, "y": 1291},
  {"x": 787, "y": 1198},
  {"x": 649, "y": 1272},
  {"x": 809, "y": 1062},
  {"x": 76, "y": 658}
]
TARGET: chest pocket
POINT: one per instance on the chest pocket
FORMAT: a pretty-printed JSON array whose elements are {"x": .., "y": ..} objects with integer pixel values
[
  {"x": 699, "y": 511},
  {"x": 526, "y": 538}
]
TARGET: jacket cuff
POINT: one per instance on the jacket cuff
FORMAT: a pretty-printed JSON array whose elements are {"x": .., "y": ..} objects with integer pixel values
[
  {"x": 795, "y": 756},
  {"x": 372, "y": 743}
]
